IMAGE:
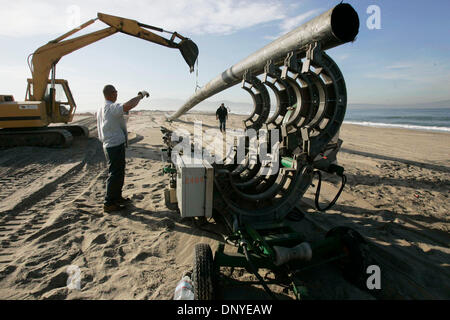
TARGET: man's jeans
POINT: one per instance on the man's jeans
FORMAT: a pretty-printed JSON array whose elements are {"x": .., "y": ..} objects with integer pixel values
[
  {"x": 115, "y": 157},
  {"x": 222, "y": 125}
]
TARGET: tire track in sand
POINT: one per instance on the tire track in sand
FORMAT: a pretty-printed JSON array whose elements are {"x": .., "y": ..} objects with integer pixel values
[
  {"x": 23, "y": 175},
  {"x": 32, "y": 214},
  {"x": 22, "y": 166}
]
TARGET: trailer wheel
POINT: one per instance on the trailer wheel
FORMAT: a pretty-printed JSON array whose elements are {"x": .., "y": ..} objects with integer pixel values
[
  {"x": 203, "y": 272},
  {"x": 354, "y": 264}
]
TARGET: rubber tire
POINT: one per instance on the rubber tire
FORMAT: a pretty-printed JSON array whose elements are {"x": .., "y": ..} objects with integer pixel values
[
  {"x": 203, "y": 273},
  {"x": 354, "y": 265}
]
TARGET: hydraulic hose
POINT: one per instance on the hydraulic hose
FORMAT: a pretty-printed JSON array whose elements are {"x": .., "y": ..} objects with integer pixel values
[{"x": 332, "y": 203}]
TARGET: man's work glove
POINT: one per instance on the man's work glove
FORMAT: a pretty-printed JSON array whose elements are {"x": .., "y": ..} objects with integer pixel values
[{"x": 143, "y": 94}]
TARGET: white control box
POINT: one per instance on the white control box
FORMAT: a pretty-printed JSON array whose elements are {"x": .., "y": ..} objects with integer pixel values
[{"x": 195, "y": 182}]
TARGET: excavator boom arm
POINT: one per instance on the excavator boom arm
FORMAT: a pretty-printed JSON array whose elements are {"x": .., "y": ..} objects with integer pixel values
[
  {"x": 48, "y": 55},
  {"x": 133, "y": 28}
]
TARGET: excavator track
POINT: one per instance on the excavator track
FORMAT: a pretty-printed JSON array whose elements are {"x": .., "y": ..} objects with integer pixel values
[
  {"x": 76, "y": 131},
  {"x": 40, "y": 137}
]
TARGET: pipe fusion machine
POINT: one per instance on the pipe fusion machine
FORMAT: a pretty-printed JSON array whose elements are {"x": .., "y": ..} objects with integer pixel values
[{"x": 253, "y": 201}]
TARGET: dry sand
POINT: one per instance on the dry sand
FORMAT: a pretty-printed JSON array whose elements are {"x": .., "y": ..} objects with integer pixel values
[{"x": 51, "y": 217}]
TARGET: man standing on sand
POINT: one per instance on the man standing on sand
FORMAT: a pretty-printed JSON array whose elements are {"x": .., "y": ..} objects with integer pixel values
[
  {"x": 112, "y": 131},
  {"x": 222, "y": 115}
]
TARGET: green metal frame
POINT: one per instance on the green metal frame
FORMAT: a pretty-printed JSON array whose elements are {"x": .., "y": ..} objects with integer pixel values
[
  {"x": 169, "y": 170},
  {"x": 260, "y": 241}
]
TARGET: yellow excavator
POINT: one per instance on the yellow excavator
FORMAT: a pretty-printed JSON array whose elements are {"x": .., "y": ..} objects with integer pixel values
[{"x": 47, "y": 101}]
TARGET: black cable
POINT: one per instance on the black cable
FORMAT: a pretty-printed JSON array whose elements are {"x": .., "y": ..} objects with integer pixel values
[
  {"x": 29, "y": 64},
  {"x": 255, "y": 272},
  {"x": 332, "y": 203}
]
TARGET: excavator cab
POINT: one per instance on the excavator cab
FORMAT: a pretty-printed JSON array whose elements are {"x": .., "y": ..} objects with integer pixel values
[{"x": 61, "y": 107}]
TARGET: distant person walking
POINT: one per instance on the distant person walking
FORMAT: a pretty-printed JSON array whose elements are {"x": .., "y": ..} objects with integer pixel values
[
  {"x": 112, "y": 131},
  {"x": 222, "y": 115}
]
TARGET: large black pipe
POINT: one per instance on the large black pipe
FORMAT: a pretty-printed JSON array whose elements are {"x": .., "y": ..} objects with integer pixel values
[{"x": 332, "y": 28}]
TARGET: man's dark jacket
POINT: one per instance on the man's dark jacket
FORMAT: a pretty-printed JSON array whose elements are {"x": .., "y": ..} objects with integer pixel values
[{"x": 222, "y": 113}]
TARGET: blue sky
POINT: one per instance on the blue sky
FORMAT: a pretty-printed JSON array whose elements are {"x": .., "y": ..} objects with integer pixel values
[{"x": 406, "y": 61}]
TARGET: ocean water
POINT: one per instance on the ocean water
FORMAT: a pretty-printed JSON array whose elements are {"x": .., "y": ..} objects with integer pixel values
[{"x": 434, "y": 119}]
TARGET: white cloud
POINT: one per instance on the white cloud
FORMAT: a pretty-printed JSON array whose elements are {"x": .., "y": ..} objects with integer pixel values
[
  {"x": 343, "y": 57},
  {"x": 418, "y": 72},
  {"x": 392, "y": 75},
  {"x": 294, "y": 22},
  {"x": 271, "y": 38},
  {"x": 28, "y": 18},
  {"x": 14, "y": 71},
  {"x": 399, "y": 66},
  {"x": 288, "y": 24}
]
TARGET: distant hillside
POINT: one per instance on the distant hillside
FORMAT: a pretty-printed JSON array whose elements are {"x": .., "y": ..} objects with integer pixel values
[{"x": 171, "y": 105}]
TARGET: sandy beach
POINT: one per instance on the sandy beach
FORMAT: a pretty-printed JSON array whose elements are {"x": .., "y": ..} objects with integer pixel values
[{"x": 51, "y": 217}]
